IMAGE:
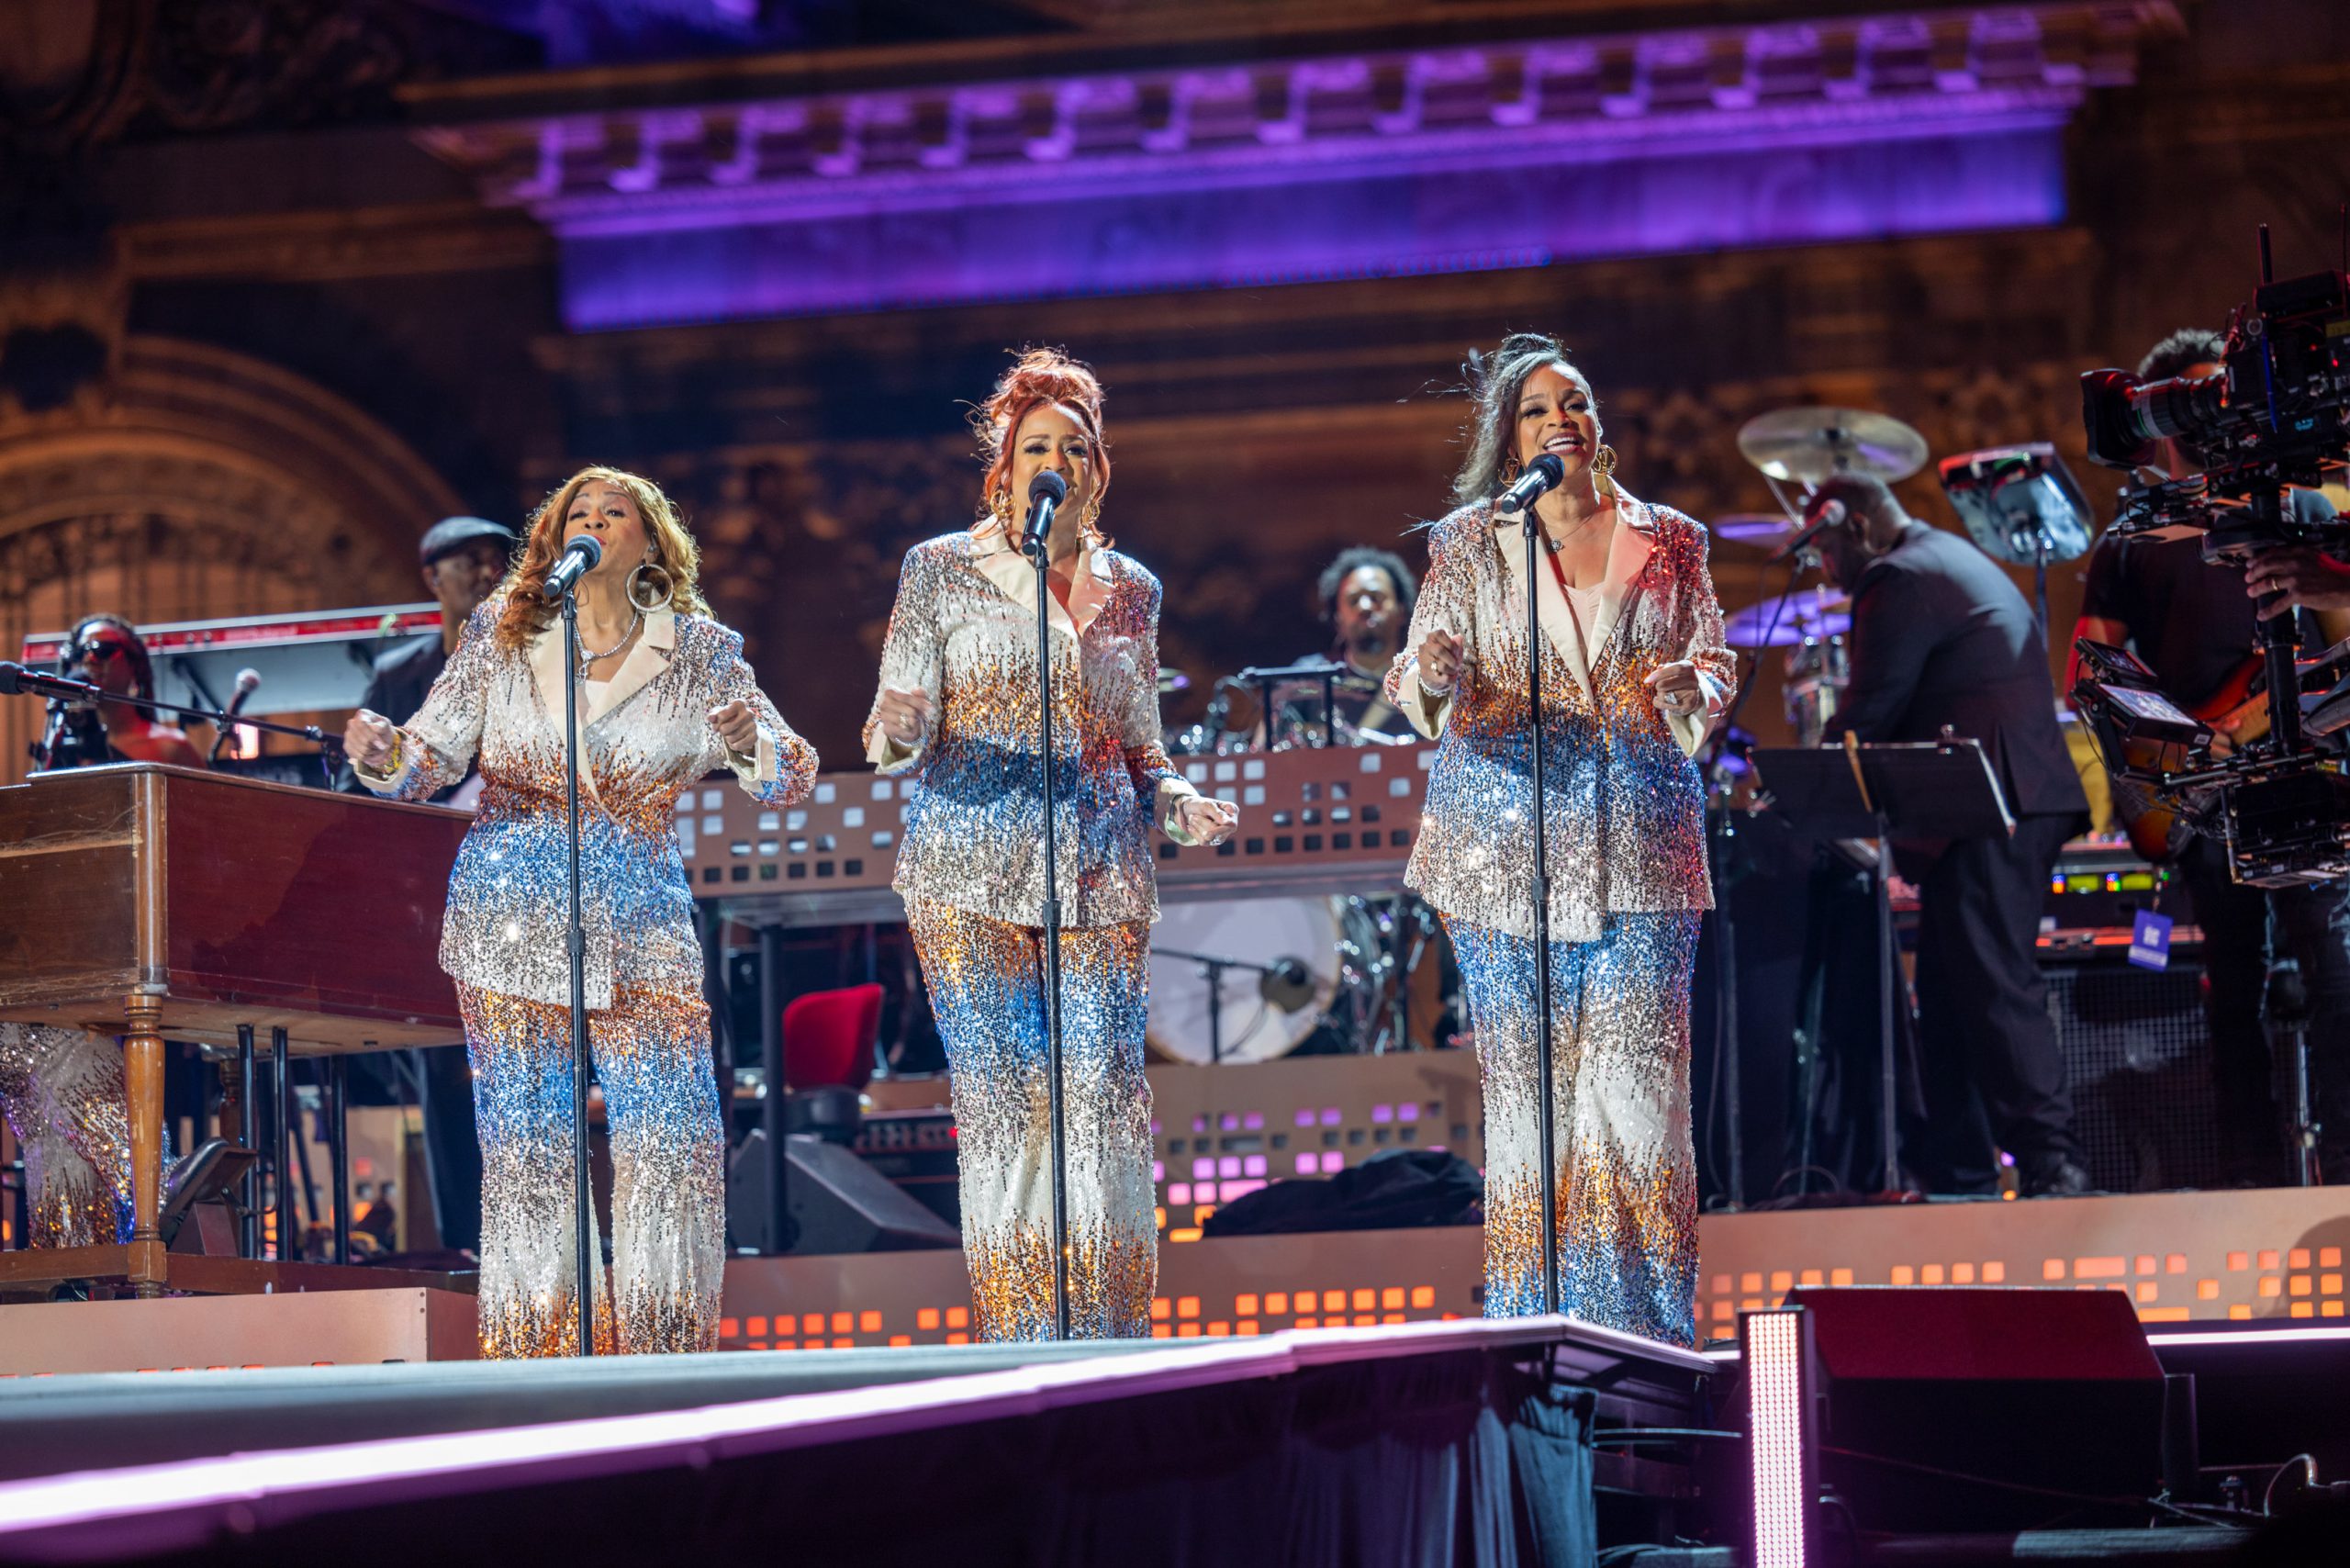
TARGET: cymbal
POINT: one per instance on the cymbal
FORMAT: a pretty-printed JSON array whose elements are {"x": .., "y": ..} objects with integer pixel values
[
  {"x": 1785, "y": 621},
  {"x": 1752, "y": 528},
  {"x": 2020, "y": 504},
  {"x": 1171, "y": 680},
  {"x": 1808, "y": 445}
]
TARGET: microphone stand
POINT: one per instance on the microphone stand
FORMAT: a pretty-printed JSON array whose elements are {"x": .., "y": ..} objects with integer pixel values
[
  {"x": 1547, "y": 1143},
  {"x": 1039, "y": 550},
  {"x": 575, "y": 942},
  {"x": 16, "y": 678}
]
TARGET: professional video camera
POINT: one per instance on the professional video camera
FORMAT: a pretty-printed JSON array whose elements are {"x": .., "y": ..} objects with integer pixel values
[{"x": 2275, "y": 418}]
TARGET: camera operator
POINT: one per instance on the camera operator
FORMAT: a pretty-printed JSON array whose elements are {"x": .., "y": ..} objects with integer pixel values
[
  {"x": 1942, "y": 640},
  {"x": 2194, "y": 623}
]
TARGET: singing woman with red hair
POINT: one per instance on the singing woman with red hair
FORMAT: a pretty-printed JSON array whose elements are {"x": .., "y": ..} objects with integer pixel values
[{"x": 957, "y": 717}]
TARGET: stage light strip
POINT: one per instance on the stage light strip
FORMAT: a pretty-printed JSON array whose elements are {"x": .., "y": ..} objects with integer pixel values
[
  {"x": 1776, "y": 1436},
  {"x": 2252, "y": 1337},
  {"x": 276, "y": 1485}
]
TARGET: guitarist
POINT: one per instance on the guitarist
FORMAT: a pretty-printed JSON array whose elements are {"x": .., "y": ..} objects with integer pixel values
[{"x": 2194, "y": 623}]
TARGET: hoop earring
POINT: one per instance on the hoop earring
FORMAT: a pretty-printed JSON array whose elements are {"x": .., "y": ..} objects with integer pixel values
[
  {"x": 1603, "y": 472},
  {"x": 640, "y": 581},
  {"x": 1510, "y": 467},
  {"x": 1000, "y": 507},
  {"x": 1093, "y": 519}
]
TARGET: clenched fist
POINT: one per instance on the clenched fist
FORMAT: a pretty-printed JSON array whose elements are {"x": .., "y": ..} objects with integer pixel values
[
  {"x": 367, "y": 740},
  {"x": 1440, "y": 657},
  {"x": 737, "y": 725},
  {"x": 904, "y": 713}
]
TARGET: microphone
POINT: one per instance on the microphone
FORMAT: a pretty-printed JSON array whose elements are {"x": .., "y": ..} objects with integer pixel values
[
  {"x": 15, "y": 678},
  {"x": 579, "y": 558},
  {"x": 1832, "y": 515},
  {"x": 1542, "y": 475},
  {"x": 1286, "y": 983},
  {"x": 1046, "y": 491},
  {"x": 248, "y": 682}
]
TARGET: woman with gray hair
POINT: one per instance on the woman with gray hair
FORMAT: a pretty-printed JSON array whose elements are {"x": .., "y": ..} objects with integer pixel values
[{"x": 1634, "y": 672}]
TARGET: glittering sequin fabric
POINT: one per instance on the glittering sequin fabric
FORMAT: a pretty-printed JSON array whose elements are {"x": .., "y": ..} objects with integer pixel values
[
  {"x": 1625, "y": 804},
  {"x": 62, "y": 1091},
  {"x": 964, "y": 630},
  {"x": 1626, "y": 1168},
  {"x": 652, "y": 1054},
  {"x": 986, "y": 980},
  {"x": 646, "y": 738}
]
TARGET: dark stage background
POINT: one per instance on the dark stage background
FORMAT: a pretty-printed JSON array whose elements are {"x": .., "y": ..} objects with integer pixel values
[{"x": 282, "y": 281}]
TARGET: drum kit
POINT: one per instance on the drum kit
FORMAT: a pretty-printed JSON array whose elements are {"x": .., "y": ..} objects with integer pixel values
[{"x": 2020, "y": 504}]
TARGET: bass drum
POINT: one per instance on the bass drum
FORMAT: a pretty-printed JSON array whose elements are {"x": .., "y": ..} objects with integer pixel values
[{"x": 1255, "y": 1026}]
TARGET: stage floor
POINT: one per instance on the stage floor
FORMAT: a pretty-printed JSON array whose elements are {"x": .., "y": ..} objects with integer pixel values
[{"x": 101, "y": 1464}]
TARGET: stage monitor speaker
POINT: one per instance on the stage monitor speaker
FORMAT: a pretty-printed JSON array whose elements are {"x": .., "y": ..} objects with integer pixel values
[
  {"x": 838, "y": 1202},
  {"x": 1966, "y": 1409},
  {"x": 2138, "y": 1060}
]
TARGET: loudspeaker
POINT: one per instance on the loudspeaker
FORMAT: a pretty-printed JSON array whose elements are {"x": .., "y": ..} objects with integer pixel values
[
  {"x": 2138, "y": 1060},
  {"x": 1966, "y": 1409},
  {"x": 837, "y": 1202}
]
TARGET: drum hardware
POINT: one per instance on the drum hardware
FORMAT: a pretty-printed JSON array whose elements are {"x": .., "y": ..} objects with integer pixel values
[
  {"x": 1321, "y": 674},
  {"x": 1285, "y": 983},
  {"x": 1806, "y": 445},
  {"x": 2020, "y": 505},
  {"x": 1789, "y": 619},
  {"x": 1766, "y": 528},
  {"x": 1171, "y": 680}
]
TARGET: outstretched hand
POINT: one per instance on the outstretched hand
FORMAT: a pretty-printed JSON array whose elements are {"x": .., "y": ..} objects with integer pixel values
[{"x": 737, "y": 725}]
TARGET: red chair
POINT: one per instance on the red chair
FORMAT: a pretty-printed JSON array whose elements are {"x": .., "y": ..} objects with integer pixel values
[{"x": 828, "y": 1037}]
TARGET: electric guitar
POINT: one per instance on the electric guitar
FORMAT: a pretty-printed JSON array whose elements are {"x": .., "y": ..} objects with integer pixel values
[{"x": 2238, "y": 715}]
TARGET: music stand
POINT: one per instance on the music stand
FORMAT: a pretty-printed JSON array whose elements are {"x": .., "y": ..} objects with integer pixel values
[{"x": 1926, "y": 789}]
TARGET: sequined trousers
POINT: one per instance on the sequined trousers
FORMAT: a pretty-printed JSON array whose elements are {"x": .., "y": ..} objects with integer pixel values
[
  {"x": 652, "y": 1054},
  {"x": 1627, "y": 1167},
  {"x": 61, "y": 1092},
  {"x": 986, "y": 989}
]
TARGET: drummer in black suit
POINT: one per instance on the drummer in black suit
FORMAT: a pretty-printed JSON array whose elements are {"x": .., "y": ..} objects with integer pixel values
[{"x": 1942, "y": 639}]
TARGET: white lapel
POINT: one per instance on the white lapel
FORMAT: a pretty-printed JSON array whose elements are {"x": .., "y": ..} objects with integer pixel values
[
  {"x": 548, "y": 668},
  {"x": 994, "y": 553},
  {"x": 1088, "y": 591},
  {"x": 1550, "y": 599},
  {"x": 1627, "y": 556},
  {"x": 644, "y": 661}
]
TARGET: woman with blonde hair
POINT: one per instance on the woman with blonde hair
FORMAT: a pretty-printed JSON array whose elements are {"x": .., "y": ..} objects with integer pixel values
[
  {"x": 665, "y": 698},
  {"x": 1634, "y": 673},
  {"x": 957, "y": 714}
]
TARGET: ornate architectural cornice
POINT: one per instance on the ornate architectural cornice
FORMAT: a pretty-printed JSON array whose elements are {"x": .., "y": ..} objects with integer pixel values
[{"x": 1356, "y": 165}]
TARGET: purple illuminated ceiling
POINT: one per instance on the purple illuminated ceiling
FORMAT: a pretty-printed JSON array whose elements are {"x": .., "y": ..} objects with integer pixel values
[{"x": 1367, "y": 167}]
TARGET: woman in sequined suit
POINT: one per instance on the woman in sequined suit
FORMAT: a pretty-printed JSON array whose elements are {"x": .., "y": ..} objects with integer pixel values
[
  {"x": 61, "y": 1093},
  {"x": 665, "y": 698},
  {"x": 957, "y": 716},
  {"x": 1634, "y": 671}
]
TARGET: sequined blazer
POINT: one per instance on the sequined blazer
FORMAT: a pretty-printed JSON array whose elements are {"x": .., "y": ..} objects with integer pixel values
[
  {"x": 964, "y": 630},
  {"x": 644, "y": 739},
  {"x": 1626, "y": 819}
]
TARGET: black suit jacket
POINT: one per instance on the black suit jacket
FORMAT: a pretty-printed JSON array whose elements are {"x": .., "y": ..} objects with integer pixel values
[
  {"x": 401, "y": 680},
  {"x": 1941, "y": 636}
]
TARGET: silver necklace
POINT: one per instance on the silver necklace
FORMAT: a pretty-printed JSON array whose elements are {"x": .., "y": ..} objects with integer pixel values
[{"x": 586, "y": 658}]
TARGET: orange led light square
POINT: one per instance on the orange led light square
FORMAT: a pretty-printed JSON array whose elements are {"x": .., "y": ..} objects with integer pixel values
[
  {"x": 1219, "y": 1329},
  {"x": 1245, "y": 1304},
  {"x": 1839, "y": 1276},
  {"x": 731, "y": 1328},
  {"x": 1161, "y": 1309},
  {"x": 1962, "y": 1273},
  {"x": 958, "y": 1317},
  {"x": 2268, "y": 1258},
  {"x": 902, "y": 1338},
  {"x": 959, "y": 1339},
  {"x": 1187, "y": 1306},
  {"x": 1162, "y": 1331},
  {"x": 869, "y": 1322},
  {"x": 1309, "y": 1322},
  {"x": 2238, "y": 1262},
  {"x": 1245, "y": 1327},
  {"x": 844, "y": 1322},
  {"x": 1334, "y": 1301},
  {"x": 2207, "y": 1290},
  {"x": 1366, "y": 1320},
  {"x": 1277, "y": 1303},
  {"x": 1365, "y": 1299},
  {"x": 1903, "y": 1274},
  {"x": 812, "y": 1323},
  {"x": 1187, "y": 1331},
  {"x": 926, "y": 1317},
  {"x": 2298, "y": 1259},
  {"x": 1993, "y": 1274},
  {"x": 1391, "y": 1299},
  {"x": 1423, "y": 1295}
]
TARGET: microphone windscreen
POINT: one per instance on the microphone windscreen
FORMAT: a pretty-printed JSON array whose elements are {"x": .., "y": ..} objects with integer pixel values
[
  {"x": 1552, "y": 467},
  {"x": 9, "y": 671},
  {"x": 248, "y": 682},
  {"x": 586, "y": 545},
  {"x": 1048, "y": 483}
]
